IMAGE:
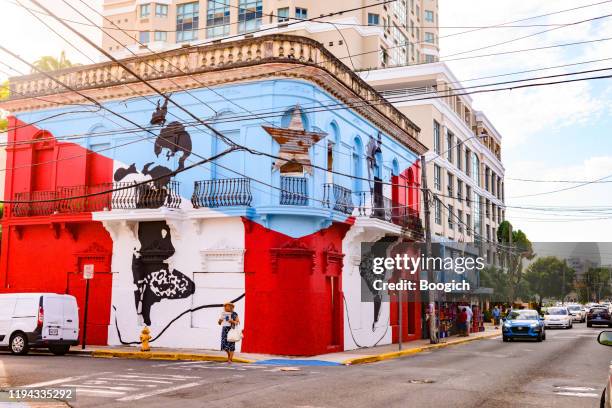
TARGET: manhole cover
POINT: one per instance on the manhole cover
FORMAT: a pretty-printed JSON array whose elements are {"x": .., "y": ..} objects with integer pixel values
[{"x": 425, "y": 381}]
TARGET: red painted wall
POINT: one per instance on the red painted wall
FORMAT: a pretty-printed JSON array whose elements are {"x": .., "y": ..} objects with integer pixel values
[
  {"x": 46, "y": 253},
  {"x": 294, "y": 302}
]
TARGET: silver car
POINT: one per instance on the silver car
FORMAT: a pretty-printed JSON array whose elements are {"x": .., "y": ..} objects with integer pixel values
[
  {"x": 558, "y": 316},
  {"x": 578, "y": 314}
]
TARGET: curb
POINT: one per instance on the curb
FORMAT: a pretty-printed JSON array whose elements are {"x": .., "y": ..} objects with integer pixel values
[
  {"x": 398, "y": 354},
  {"x": 153, "y": 355}
]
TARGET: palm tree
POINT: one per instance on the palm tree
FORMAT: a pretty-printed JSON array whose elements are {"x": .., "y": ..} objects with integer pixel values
[{"x": 49, "y": 63}]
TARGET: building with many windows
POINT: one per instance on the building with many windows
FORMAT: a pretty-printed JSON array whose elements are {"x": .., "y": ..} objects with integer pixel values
[
  {"x": 274, "y": 225},
  {"x": 392, "y": 33},
  {"x": 465, "y": 169}
]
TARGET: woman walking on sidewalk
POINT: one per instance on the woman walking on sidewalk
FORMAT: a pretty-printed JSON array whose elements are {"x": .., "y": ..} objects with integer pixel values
[{"x": 228, "y": 320}]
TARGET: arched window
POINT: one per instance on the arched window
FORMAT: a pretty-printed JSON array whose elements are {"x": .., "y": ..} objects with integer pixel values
[
  {"x": 287, "y": 116},
  {"x": 333, "y": 142}
]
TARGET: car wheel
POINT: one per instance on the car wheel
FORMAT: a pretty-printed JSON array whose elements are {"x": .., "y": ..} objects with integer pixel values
[
  {"x": 539, "y": 338},
  {"x": 59, "y": 350},
  {"x": 505, "y": 339},
  {"x": 589, "y": 325},
  {"x": 19, "y": 344},
  {"x": 544, "y": 336}
]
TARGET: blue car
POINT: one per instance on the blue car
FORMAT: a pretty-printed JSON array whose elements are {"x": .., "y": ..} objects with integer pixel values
[{"x": 523, "y": 324}]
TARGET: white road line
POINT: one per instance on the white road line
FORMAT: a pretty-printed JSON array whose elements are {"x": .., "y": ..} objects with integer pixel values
[
  {"x": 162, "y": 391},
  {"x": 136, "y": 380},
  {"x": 62, "y": 380},
  {"x": 159, "y": 376},
  {"x": 180, "y": 363},
  {"x": 578, "y": 394},
  {"x": 90, "y": 391},
  {"x": 575, "y": 388},
  {"x": 102, "y": 387}
]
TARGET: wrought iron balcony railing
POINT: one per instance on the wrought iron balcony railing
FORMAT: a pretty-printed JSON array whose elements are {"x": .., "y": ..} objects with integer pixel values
[
  {"x": 383, "y": 208},
  {"x": 294, "y": 190},
  {"x": 76, "y": 199},
  {"x": 150, "y": 195},
  {"x": 222, "y": 193},
  {"x": 337, "y": 197}
]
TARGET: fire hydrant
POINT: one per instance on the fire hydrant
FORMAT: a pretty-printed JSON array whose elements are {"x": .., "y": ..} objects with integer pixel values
[{"x": 144, "y": 339}]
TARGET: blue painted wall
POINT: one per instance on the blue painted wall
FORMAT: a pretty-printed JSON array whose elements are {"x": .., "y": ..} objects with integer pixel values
[{"x": 347, "y": 129}]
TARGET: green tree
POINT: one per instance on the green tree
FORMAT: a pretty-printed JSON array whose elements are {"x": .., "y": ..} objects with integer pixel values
[
  {"x": 49, "y": 63},
  {"x": 514, "y": 251},
  {"x": 549, "y": 277},
  {"x": 4, "y": 94},
  {"x": 596, "y": 284}
]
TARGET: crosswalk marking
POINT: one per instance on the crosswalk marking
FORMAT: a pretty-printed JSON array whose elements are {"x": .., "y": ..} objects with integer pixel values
[{"x": 162, "y": 391}]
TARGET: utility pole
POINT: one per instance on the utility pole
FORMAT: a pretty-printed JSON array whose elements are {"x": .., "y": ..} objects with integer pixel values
[{"x": 433, "y": 324}]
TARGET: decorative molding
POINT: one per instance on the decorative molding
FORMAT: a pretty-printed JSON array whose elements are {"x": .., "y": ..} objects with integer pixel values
[
  {"x": 292, "y": 249},
  {"x": 333, "y": 256},
  {"x": 264, "y": 57},
  {"x": 235, "y": 255}
]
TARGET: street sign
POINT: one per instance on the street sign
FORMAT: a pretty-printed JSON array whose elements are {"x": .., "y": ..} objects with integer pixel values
[{"x": 88, "y": 271}]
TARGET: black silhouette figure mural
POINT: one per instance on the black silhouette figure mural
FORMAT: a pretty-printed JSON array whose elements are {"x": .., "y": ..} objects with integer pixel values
[
  {"x": 152, "y": 275},
  {"x": 173, "y": 140}
]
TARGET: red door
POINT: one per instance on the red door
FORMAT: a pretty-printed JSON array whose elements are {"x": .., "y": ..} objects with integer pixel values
[{"x": 100, "y": 288}]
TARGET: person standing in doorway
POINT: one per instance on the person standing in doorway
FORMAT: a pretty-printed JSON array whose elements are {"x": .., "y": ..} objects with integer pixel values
[{"x": 228, "y": 320}]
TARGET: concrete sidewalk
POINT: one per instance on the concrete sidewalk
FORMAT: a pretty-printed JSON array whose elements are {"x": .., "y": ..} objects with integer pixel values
[{"x": 351, "y": 357}]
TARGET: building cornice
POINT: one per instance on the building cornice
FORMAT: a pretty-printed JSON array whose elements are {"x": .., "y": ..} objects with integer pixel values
[{"x": 257, "y": 58}]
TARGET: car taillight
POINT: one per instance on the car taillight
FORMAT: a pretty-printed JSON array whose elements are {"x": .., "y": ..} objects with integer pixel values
[{"x": 41, "y": 315}]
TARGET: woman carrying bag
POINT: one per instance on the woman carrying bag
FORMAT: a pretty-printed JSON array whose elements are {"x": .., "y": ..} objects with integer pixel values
[{"x": 228, "y": 321}]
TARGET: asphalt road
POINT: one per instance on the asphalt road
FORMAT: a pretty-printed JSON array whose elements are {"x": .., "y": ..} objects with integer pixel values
[{"x": 566, "y": 370}]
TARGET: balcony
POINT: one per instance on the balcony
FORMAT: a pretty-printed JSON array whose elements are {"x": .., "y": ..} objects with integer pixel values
[
  {"x": 62, "y": 203},
  {"x": 338, "y": 198},
  {"x": 383, "y": 208},
  {"x": 222, "y": 193},
  {"x": 78, "y": 199},
  {"x": 294, "y": 190}
]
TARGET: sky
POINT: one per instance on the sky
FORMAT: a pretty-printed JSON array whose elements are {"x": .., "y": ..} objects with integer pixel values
[{"x": 559, "y": 132}]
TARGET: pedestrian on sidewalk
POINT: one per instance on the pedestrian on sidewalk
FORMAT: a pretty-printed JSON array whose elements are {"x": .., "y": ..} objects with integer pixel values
[
  {"x": 496, "y": 315},
  {"x": 228, "y": 320},
  {"x": 463, "y": 316},
  {"x": 470, "y": 316}
]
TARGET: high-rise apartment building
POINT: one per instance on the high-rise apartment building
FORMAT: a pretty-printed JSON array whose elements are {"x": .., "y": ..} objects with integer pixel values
[
  {"x": 464, "y": 166},
  {"x": 364, "y": 36}
]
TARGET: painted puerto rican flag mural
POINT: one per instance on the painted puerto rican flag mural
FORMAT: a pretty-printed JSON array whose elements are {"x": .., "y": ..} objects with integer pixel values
[{"x": 279, "y": 235}]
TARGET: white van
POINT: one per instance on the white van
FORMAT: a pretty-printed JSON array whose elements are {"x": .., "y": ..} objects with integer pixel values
[{"x": 38, "y": 320}]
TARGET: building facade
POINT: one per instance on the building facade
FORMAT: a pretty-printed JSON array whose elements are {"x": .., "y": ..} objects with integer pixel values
[
  {"x": 365, "y": 36},
  {"x": 464, "y": 167},
  {"x": 274, "y": 225}
]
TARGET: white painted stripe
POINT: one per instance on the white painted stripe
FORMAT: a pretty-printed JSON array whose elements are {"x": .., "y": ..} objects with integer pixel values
[
  {"x": 578, "y": 394},
  {"x": 181, "y": 363},
  {"x": 575, "y": 388},
  {"x": 160, "y": 376},
  {"x": 65, "y": 379},
  {"x": 102, "y": 387},
  {"x": 89, "y": 391},
  {"x": 162, "y": 391},
  {"x": 137, "y": 380}
]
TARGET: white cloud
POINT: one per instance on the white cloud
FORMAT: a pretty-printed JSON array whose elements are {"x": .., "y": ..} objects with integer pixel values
[{"x": 541, "y": 113}]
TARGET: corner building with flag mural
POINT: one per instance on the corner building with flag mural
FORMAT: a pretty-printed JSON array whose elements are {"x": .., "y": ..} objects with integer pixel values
[{"x": 320, "y": 163}]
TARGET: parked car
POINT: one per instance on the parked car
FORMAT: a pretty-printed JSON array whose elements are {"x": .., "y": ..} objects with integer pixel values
[
  {"x": 578, "y": 315},
  {"x": 605, "y": 338},
  {"x": 599, "y": 315},
  {"x": 523, "y": 324},
  {"x": 558, "y": 317},
  {"x": 38, "y": 320}
]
